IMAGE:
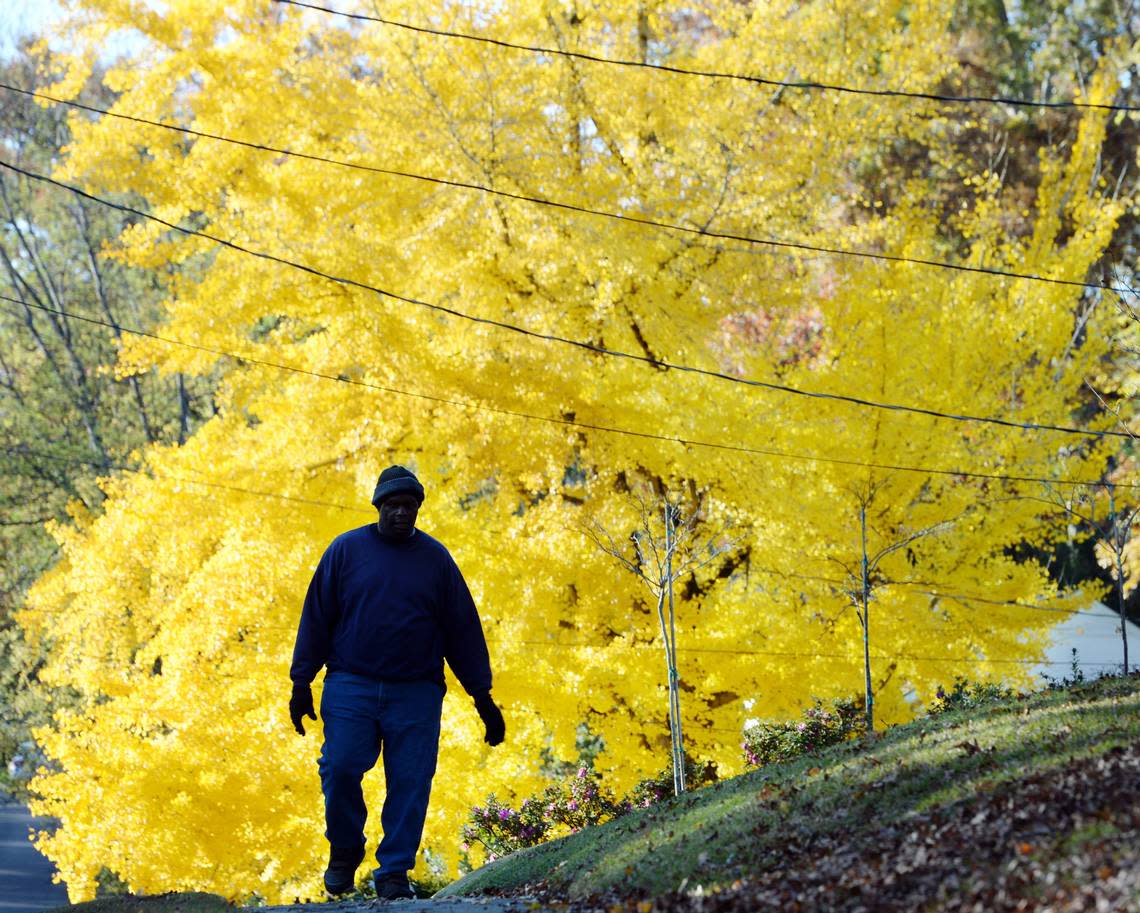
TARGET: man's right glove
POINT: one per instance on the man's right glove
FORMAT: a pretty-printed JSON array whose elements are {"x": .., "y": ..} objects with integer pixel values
[
  {"x": 492, "y": 719},
  {"x": 301, "y": 705}
]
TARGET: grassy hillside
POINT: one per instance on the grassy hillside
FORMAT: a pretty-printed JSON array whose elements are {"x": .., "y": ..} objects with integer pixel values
[
  {"x": 192, "y": 902},
  {"x": 1033, "y": 800}
]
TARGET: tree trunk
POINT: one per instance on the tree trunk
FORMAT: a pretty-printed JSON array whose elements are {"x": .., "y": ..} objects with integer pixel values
[
  {"x": 183, "y": 410},
  {"x": 669, "y": 665},
  {"x": 865, "y": 597},
  {"x": 1119, "y": 537},
  {"x": 80, "y": 216},
  {"x": 674, "y": 678}
]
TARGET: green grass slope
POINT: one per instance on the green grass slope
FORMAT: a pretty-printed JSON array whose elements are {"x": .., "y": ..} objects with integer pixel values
[
  {"x": 188, "y": 902},
  {"x": 1034, "y": 800}
]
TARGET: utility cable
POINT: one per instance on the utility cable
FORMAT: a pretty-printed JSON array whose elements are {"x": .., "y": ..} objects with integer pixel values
[
  {"x": 120, "y": 467},
  {"x": 580, "y": 344},
  {"x": 572, "y": 207},
  {"x": 712, "y": 74},
  {"x": 575, "y": 423},
  {"x": 793, "y": 654},
  {"x": 938, "y": 594},
  {"x": 741, "y": 651},
  {"x": 966, "y": 597},
  {"x": 854, "y": 659}
]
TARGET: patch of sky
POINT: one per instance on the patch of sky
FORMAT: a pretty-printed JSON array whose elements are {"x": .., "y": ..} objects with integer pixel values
[
  {"x": 25, "y": 19},
  {"x": 485, "y": 13}
]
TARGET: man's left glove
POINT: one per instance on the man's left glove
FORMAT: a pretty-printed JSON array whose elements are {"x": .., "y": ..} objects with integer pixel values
[
  {"x": 492, "y": 719},
  {"x": 301, "y": 705}
]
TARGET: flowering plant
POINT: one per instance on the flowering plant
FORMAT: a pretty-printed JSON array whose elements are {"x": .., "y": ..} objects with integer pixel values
[
  {"x": 563, "y": 808},
  {"x": 767, "y": 742},
  {"x": 652, "y": 790}
]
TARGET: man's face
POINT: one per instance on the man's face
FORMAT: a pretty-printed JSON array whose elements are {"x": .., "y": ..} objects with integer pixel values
[{"x": 398, "y": 515}]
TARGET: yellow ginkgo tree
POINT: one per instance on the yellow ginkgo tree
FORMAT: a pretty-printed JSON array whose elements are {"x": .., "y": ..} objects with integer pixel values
[{"x": 404, "y": 303}]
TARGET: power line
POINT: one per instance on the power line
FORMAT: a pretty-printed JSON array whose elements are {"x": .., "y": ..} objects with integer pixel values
[
  {"x": 27, "y": 452},
  {"x": 712, "y": 74},
  {"x": 601, "y": 350},
  {"x": 853, "y": 659},
  {"x": 568, "y": 422},
  {"x": 101, "y": 464},
  {"x": 795, "y": 654},
  {"x": 571, "y": 207},
  {"x": 965, "y": 597},
  {"x": 938, "y": 594}
]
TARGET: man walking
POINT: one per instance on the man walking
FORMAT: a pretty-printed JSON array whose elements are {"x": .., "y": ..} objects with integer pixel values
[{"x": 386, "y": 606}]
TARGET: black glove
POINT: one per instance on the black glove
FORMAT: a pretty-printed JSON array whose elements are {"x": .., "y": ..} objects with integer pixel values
[
  {"x": 301, "y": 706},
  {"x": 492, "y": 718}
]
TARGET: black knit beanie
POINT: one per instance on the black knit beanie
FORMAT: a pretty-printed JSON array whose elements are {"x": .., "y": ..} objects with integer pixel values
[{"x": 396, "y": 480}]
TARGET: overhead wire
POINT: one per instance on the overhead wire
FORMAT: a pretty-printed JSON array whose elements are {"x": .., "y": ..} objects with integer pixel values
[
  {"x": 742, "y": 651},
  {"x": 936, "y": 593},
  {"x": 711, "y": 74},
  {"x": 574, "y": 422},
  {"x": 667, "y": 226},
  {"x": 107, "y": 465},
  {"x": 735, "y": 651},
  {"x": 854, "y": 659},
  {"x": 577, "y": 343},
  {"x": 21, "y": 451},
  {"x": 570, "y": 207}
]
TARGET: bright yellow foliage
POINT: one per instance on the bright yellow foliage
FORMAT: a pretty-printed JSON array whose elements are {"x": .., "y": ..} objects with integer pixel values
[{"x": 173, "y": 613}]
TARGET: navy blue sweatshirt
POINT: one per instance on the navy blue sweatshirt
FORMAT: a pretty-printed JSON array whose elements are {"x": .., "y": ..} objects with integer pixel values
[{"x": 392, "y": 610}]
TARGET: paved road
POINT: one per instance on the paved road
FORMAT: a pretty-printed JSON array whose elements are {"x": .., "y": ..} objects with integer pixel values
[{"x": 25, "y": 875}]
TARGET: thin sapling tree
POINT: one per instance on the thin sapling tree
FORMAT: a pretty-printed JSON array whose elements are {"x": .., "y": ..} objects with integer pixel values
[{"x": 665, "y": 547}]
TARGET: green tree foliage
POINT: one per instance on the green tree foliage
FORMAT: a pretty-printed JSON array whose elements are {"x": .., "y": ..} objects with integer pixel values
[{"x": 65, "y": 417}]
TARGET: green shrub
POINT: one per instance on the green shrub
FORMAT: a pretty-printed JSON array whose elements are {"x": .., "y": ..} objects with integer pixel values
[
  {"x": 768, "y": 742},
  {"x": 566, "y": 807},
  {"x": 966, "y": 695},
  {"x": 653, "y": 789}
]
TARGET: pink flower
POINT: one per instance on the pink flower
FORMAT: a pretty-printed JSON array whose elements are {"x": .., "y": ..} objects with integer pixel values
[
  {"x": 582, "y": 773},
  {"x": 573, "y": 805},
  {"x": 464, "y": 847}
]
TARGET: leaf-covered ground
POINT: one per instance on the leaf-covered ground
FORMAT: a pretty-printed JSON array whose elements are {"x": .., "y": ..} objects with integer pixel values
[
  {"x": 1066, "y": 839},
  {"x": 1030, "y": 804}
]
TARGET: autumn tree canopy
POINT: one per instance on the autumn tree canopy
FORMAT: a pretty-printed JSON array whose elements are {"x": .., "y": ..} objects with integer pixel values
[{"x": 173, "y": 610}]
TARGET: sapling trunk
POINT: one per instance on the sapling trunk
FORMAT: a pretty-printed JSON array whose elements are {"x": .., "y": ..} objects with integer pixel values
[
  {"x": 865, "y": 597},
  {"x": 669, "y": 684},
  {"x": 1119, "y": 534},
  {"x": 660, "y": 563},
  {"x": 674, "y": 678}
]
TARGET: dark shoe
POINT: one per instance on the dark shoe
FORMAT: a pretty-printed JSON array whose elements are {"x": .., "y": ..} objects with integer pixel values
[
  {"x": 393, "y": 886},
  {"x": 340, "y": 876}
]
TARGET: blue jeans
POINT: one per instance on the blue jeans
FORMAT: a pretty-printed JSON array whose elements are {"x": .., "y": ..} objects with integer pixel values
[{"x": 360, "y": 716}]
